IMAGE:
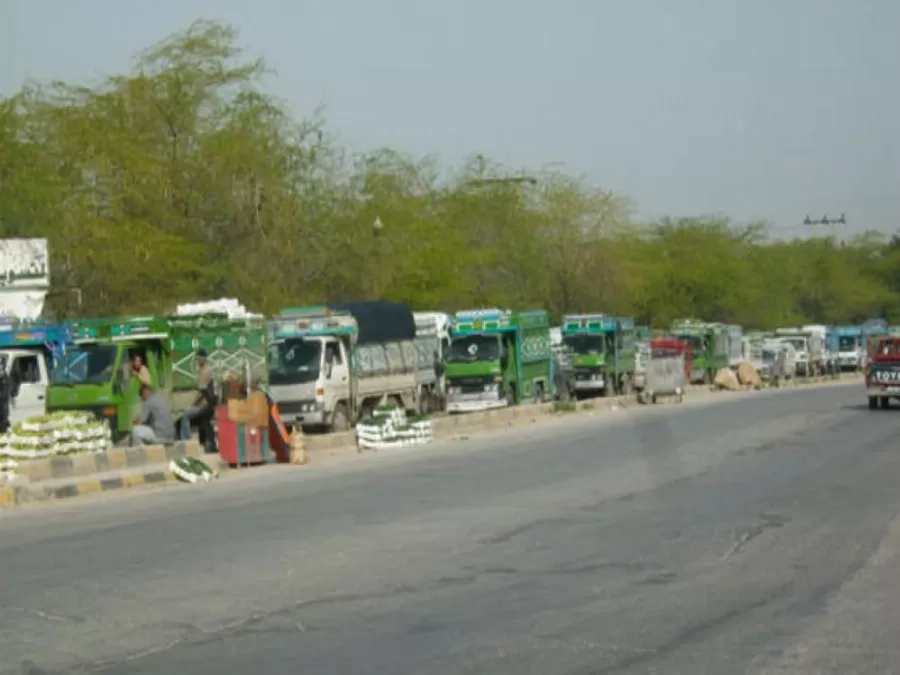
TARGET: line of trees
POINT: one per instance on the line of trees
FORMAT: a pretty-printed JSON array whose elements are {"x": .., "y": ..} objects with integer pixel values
[{"x": 184, "y": 180}]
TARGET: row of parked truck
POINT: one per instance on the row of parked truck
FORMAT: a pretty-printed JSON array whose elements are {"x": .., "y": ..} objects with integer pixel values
[{"x": 327, "y": 367}]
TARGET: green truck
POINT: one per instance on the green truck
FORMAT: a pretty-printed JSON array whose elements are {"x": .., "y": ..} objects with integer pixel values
[
  {"x": 710, "y": 343},
  {"x": 94, "y": 375},
  {"x": 603, "y": 350},
  {"x": 498, "y": 358}
]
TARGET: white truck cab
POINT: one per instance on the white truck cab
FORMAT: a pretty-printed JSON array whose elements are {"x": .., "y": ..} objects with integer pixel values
[
  {"x": 308, "y": 376},
  {"x": 330, "y": 367},
  {"x": 809, "y": 346},
  {"x": 29, "y": 374}
]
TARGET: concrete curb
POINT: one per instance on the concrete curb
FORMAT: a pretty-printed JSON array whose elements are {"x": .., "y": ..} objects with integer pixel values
[
  {"x": 53, "y": 478},
  {"x": 114, "y": 459},
  {"x": 17, "y": 495},
  {"x": 444, "y": 427}
]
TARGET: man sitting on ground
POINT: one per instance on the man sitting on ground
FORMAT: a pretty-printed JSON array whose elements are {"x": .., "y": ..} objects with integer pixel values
[{"x": 154, "y": 425}]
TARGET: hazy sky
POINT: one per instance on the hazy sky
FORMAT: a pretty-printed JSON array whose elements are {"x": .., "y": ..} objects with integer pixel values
[{"x": 759, "y": 109}]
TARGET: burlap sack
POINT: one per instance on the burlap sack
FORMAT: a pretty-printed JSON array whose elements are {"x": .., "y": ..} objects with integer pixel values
[
  {"x": 726, "y": 379},
  {"x": 748, "y": 376}
]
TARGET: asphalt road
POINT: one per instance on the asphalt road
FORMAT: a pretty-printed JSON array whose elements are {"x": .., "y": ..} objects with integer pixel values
[{"x": 757, "y": 535}]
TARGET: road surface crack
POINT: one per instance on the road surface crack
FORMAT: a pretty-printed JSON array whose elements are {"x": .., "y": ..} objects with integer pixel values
[{"x": 769, "y": 521}]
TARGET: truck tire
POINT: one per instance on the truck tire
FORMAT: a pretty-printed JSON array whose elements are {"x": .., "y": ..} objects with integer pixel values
[
  {"x": 885, "y": 402},
  {"x": 423, "y": 404},
  {"x": 340, "y": 419},
  {"x": 873, "y": 403}
]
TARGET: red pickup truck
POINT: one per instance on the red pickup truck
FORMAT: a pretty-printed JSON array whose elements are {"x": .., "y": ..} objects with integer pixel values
[{"x": 883, "y": 372}]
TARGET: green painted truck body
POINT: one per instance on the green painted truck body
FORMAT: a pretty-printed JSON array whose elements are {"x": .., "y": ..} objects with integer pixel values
[
  {"x": 93, "y": 374},
  {"x": 498, "y": 358},
  {"x": 710, "y": 343},
  {"x": 603, "y": 349}
]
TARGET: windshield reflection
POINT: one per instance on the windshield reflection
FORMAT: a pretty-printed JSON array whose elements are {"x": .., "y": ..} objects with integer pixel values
[{"x": 85, "y": 364}]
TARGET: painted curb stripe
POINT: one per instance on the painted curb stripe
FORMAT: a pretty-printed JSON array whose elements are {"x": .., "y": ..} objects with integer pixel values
[{"x": 16, "y": 495}]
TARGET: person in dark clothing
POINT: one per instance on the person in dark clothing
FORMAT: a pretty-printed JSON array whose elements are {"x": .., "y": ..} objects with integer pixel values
[
  {"x": 6, "y": 395},
  {"x": 204, "y": 404}
]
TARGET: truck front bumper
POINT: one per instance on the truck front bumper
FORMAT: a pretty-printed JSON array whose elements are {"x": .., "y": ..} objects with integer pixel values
[
  {"x": 590, "y": 385},
  {"x": 458, "y": 404},
  {"x": 879, "y": 391},
  {"x": 849, "y": 362},
  {"x": 303, "y": 413}
]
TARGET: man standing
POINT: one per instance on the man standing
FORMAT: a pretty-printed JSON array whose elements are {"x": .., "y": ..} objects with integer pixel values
[
  {"x": 154, "y": 424},
  {"x": 204, "y": 404},
  {"x": 6, "y": 394}
]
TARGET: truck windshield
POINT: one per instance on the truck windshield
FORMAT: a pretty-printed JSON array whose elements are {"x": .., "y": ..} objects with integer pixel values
[
  {"x": 799, "y": 343},
  {"x": 696, "y": 342},
  {"x": 471, "y": 348},
  {"x": 86, "y": 364},
  {"x": 847, "y": 344},
  {"x": 665, "y": 352},
  {"x": 294, "y": 361},
  {"x": 585, "y": 344}
]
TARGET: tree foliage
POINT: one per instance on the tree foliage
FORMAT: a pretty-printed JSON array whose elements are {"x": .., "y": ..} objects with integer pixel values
[{"x": 184, "y": 180}]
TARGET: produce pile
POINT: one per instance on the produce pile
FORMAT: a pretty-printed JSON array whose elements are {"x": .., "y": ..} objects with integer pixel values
[
  {"x": 229, "y": 306},
  {"x": 53, "y": 435},
  {"x": 388, "y": 427}
]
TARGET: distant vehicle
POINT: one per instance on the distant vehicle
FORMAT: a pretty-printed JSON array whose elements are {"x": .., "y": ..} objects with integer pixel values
[{"x": 883, "y": 373}]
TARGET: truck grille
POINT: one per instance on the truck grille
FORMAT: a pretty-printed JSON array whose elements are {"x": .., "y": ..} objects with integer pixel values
[
  {"x": 296, "y": 406},
  {"x": 470, "y": 385}
]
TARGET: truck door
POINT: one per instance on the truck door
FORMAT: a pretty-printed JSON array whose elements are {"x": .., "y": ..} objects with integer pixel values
[
  {"x": 30, "y": 372},
  {"x": 153, "y": 360},
  {"x": 337, "y": 373},
  {"x": 131, "y": 386}
]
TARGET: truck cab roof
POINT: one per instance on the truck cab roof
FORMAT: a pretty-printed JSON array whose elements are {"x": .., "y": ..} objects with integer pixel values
[
  {"x": 888, "y": 349},
  {"x": 486, "y": 321}
]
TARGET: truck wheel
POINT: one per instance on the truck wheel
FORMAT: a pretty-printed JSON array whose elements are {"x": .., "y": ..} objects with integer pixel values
[
  {"x": 873, "y": 403},
  {"x": 340, "y": 419},
  {"x": 885, "y": 402}
]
